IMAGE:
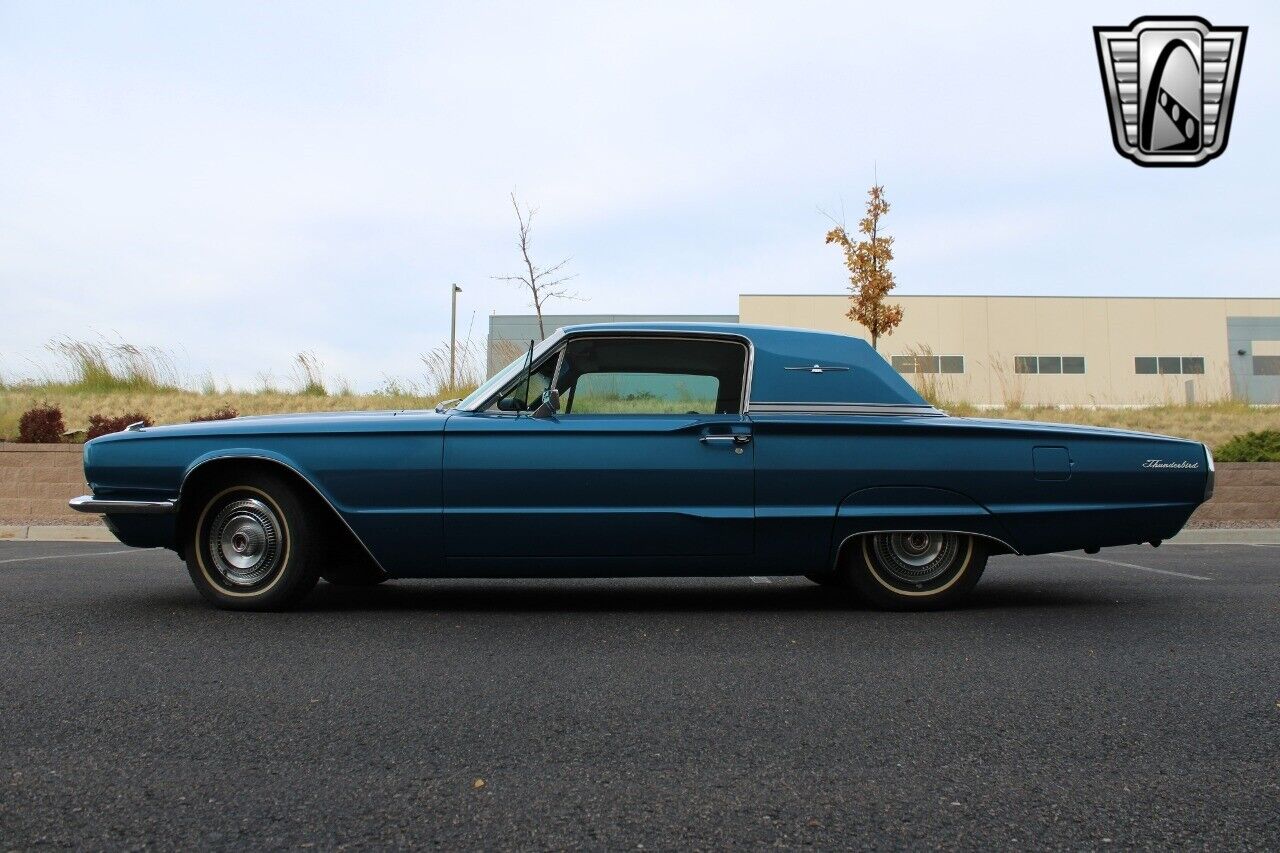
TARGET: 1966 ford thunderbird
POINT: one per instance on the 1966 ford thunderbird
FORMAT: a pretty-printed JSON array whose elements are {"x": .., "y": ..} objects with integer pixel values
[{"x": 639, "y": 450}]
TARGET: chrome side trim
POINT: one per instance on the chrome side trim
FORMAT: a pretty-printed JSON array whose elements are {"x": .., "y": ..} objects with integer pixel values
[
  {"x": 896, "y": 409},
  {"x": 817, "y": 368},
  {"x": 88, "y": 503},
  {"x": 303, "y": 478},
  {"x": 845, "y": 540}
]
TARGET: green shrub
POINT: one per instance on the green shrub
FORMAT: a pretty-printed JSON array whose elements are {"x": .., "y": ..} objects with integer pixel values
[{"x": 1261, "y": 446}]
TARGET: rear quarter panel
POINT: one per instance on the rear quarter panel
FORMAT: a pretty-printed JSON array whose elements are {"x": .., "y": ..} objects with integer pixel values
[{"x": 820, "y": 479}]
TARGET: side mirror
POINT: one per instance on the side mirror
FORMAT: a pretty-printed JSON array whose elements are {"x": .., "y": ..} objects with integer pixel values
[
  {"x": 550, "y": 404},
  {"x": 510, "y": 404}
]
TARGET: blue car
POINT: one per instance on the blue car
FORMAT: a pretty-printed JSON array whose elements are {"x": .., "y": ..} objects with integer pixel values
[{"x": 642, "y": 449}]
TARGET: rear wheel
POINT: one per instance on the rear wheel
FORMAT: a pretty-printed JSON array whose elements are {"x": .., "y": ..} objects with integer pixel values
[
  {"x": 253, "y": 545},
  {"x": 913, "y": 570}
]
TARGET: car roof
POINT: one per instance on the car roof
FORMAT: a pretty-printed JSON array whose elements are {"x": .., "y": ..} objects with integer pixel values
[
  {"x": 782, "y": 360},
  {"x": 740, "y": 329}
]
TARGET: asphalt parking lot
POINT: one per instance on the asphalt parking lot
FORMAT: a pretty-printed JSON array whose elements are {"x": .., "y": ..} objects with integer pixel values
[{"x": 1073, "y": 703}]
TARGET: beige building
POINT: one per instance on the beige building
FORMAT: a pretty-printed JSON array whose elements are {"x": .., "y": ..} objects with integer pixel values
[{"x": 1051, "y": 350}]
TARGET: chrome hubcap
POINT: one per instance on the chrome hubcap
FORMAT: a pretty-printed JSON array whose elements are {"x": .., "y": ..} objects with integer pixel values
[
  {"x": 916, "y": 557},
  {"x": 244, "y": 542}
]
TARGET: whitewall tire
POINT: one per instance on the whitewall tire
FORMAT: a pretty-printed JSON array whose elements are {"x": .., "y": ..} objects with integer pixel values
[{"x": 913, "y": 570}]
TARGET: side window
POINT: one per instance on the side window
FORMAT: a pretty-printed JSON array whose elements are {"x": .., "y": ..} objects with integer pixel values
[
  {"x": 651, "y": 376},
  {"x": 645, "y": 393}
]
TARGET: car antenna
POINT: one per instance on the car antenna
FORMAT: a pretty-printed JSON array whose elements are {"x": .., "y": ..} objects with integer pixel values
[{"x": 528, "y": 375}]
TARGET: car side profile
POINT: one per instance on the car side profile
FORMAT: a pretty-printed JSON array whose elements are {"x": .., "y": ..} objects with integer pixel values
[{"x": 649, "y": 449}]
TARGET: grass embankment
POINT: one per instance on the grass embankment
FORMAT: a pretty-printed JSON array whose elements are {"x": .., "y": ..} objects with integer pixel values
[
  {"x": 1212, "y": 423},
  {"x": 112, "y": 379},
  {"x": 177, "y": 406}
]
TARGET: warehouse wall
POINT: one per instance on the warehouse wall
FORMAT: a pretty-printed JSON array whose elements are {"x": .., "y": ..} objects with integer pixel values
[{"x": 990, "y": 331}]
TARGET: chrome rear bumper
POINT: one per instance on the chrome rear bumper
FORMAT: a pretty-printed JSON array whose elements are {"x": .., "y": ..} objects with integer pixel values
[{"x": 88, "y": 503}]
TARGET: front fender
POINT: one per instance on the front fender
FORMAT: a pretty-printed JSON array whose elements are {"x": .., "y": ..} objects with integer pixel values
[
  {"x": 385, "y": 487},
  {"x": 884, "y": 508},
  {"x": 229, "y": 454}
]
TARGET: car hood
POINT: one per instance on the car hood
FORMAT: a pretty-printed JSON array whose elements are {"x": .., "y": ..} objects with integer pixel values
[{"x": 396, "y": 420}]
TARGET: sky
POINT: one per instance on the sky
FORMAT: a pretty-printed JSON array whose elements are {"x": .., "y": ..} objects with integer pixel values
[{"x": 238, "y": 182}]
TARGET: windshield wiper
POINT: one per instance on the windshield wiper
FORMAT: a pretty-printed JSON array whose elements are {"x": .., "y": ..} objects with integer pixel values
[{"x": 445, "y": 405}]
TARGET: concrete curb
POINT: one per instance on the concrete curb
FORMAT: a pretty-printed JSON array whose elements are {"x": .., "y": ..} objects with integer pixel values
[
  {"x": 56, "y": 533},
  {"x": 97, "y": 533},
  {"x": 1227, "y": 536}
]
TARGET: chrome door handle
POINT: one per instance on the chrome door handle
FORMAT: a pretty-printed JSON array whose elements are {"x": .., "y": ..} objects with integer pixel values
[{"x": 725, "y": 439}]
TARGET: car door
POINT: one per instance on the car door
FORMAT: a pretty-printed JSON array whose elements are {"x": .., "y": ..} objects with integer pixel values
[{"x": 649, "y": 456}]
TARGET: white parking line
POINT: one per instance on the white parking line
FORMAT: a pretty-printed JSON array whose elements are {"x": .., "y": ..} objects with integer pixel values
[
  {"x": 757, "y": 579},
  {"x": 74, "y": 556},
  {"x": 1132, "y": 566}
]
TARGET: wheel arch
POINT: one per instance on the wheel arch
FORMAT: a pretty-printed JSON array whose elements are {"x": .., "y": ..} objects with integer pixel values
[
  {"x": 208, "y": 469},
  {"x": 893, "y": 509},
  {"x": 995, "y": 545}
]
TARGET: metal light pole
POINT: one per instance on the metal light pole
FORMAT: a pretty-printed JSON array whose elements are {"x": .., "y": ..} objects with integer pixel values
[{"x": 453, "y": 337}]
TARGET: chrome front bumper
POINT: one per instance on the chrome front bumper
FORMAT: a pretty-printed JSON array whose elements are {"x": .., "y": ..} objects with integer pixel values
[{"x": 88, "y": 503}]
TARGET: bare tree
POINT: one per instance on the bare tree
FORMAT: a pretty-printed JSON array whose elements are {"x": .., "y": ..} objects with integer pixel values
[{"x": 543, "y": 284}]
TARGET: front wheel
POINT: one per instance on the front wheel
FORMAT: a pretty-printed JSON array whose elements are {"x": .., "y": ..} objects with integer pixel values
[
  {"x": 253, "y": 546},
  {"x": 913, "y": 570}
]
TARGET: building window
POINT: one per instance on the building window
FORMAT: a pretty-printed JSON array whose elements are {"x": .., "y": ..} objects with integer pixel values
[
  {"x": 928, "y": 363},
  {"x": 1048, "y": 364},
  {"x": 1169, "y": 365},
  {"x": 1266, "y": 365}
]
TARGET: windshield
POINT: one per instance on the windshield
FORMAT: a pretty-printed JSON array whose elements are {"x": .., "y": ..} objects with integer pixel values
[{"x": 493, "y": 383}]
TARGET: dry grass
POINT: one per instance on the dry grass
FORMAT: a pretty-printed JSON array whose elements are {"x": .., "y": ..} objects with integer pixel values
[
  {"x": 171, "y": 407},
  {"x": 106, "y": 378},
  {"x": 105, "y": 365},
  {"x": 1212, "y": 423},
  {"x": 109, "y": 378},
  {"x": 468, "y": 372}
]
